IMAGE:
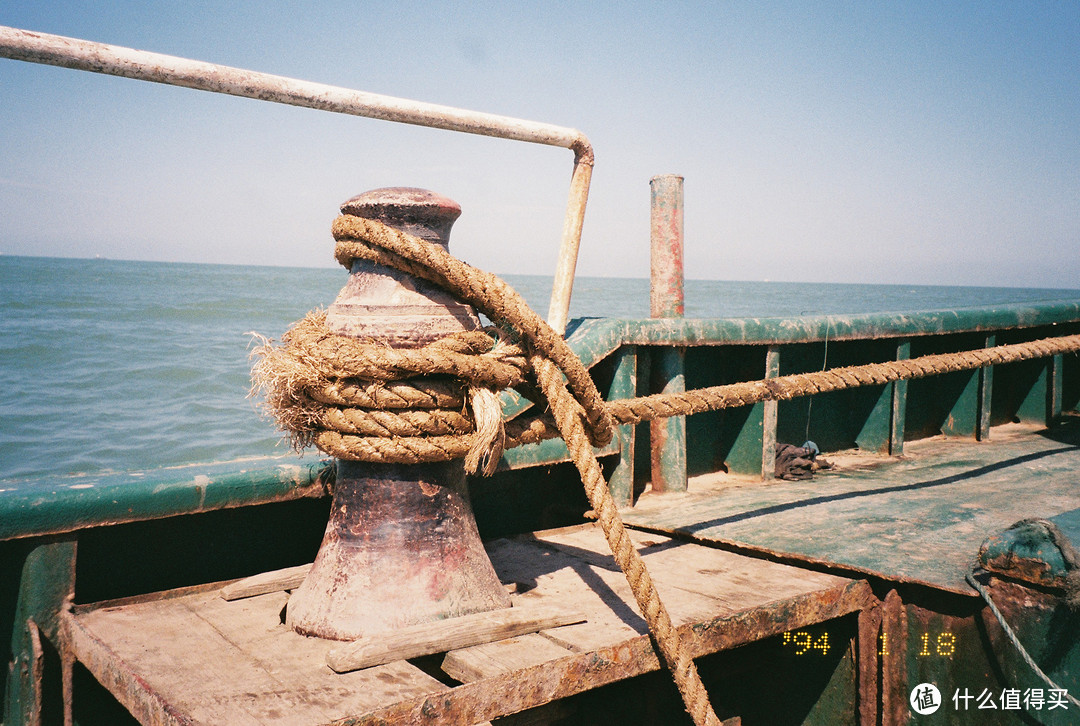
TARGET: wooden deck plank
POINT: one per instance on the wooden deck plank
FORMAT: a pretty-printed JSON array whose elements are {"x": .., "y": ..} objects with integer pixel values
[
  {"x": 161, "y": 641},
  {"x": 130, "y": 689},
  {"x": 288, "y": 578},
  {"x": 735, "y": 581},
  {"x": 254, "y": 626},
  {"x": 208, "y": 660},
  {"x": 696, "y": 583},
  {"x": 423, "y": 639},
  {"x": 517, "y": 691},
  {"x": 222, "y": 662},
  {"x": 501, "y": 657},
  {"x": 602, "y": 594}
]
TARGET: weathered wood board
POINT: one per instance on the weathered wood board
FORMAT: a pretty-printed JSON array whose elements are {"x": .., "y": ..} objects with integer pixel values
[
  {"x": 219, "y": 662},
  {"x": 194, "y": 657}
]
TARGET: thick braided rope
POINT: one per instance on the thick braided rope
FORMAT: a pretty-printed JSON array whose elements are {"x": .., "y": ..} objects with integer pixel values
[
  {"x": 349, "y": 397},
  {"x": 551, "y": 360},
  {"x": 344, "y": 438},
  {"x": 416, "y": 394},
  {"x": 672, "y": 650},
  {"x": 359, "y": 238},
  {"x": 350, "y": 435},
  {"x": 460, "y": 356},
  {"x": 785, "y": 388}
]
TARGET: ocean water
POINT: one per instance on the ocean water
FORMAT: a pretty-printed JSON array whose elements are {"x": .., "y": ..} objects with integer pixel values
[{"x": 112, "y": 366}]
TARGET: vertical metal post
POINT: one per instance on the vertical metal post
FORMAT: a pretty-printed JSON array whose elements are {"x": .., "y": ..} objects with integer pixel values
[
  {"x": 962, "y": 418},
  {"x": 769, "y": 422},
  {"x": 899, "y": 404},
  {"x": 986, "y": 391},
  {"x": 1055, "y": 369},
  {"x": 624, "y": 385},
  {"x": 666, "y": 300},
  {"x": 46, "y": 587},
  {"x": 666, "y": 297},
  {"x": 668, "y": 436}
]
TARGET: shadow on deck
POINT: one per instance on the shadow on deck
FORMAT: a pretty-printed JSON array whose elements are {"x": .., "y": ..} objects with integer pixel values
[{"x": 920, "y": 518}]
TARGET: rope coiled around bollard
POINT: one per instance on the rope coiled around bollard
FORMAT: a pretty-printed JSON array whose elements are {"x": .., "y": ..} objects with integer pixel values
[{"x": 309, "y": 367}]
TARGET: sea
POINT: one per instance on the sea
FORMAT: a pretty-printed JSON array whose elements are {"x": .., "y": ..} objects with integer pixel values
[{"x": 112, "y": 366}]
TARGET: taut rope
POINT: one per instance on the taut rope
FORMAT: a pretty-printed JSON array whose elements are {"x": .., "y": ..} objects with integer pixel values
[
  {"x": 330, "y": 405},
  {"x": 364, "y": 401}
]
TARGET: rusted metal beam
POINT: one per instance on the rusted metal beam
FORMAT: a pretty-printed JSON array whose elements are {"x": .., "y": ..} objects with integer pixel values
[
  {"x": 37, "y": 671},
  {"x": 894, "y": 637},
  {"x": 868, "y": 651},
  {"x": 58, "y": 50}
]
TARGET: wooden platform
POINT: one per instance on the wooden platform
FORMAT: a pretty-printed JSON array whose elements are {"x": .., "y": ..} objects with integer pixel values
[
  {"x": 183, "y": 657},
  {"x": 920, "y": 518}
]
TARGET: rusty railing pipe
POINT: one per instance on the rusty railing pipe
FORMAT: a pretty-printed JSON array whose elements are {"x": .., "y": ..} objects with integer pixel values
[
  {"x": 58, "y": 50},
  {"x": 667, "y": 300}
]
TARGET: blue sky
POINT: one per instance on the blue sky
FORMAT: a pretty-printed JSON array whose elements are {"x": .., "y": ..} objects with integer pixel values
[{"x": 918, "y": 143}]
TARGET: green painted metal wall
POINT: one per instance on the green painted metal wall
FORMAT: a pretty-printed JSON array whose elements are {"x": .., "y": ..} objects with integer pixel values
[{"x": 186, "y": 504}]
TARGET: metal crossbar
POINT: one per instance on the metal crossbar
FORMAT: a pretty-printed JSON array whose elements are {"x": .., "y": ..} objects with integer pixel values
[{"x": 114, "y": 60}]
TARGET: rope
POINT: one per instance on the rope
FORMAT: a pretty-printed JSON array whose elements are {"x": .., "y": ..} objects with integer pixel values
[
  {"x": 733, "y": 395},
  {"x": 1014, "y": 640},
  {"x": 359, "y": 400},
  {"x": 785, "y": 388},
  {"x": 314, "y": 364},
  {"x": 302, "y": 405}
]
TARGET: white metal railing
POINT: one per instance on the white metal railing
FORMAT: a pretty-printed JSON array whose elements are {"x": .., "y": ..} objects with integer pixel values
[{"x": 113, "y": 60}]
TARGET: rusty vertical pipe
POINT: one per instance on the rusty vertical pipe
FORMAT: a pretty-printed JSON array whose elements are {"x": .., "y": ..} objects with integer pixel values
[
  {"x": 666, "y": 300},
  {"x": 401, "y": 546}
]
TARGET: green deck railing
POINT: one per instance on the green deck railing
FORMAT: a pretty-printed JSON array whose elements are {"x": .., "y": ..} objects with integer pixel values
[{"x": 619, "y": 352}]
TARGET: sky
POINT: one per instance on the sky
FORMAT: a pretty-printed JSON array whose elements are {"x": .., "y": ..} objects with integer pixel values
[{"x": 901, "y": 142}]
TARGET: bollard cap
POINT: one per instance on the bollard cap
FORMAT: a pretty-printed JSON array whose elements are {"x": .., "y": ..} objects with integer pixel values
[
  {"x": 419, "y": 212},
  {"x": 383, "y": 304}
]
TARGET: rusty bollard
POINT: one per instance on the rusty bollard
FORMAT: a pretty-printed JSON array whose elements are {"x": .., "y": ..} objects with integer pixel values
[{"x": 401, "y": 546}]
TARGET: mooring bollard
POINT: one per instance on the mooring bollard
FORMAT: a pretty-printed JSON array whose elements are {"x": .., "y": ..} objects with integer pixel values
[{"x": 401, "y": 546}]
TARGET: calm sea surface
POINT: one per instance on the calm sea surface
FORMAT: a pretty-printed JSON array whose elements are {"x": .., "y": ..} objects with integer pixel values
[{"x": 116, "y": 366}]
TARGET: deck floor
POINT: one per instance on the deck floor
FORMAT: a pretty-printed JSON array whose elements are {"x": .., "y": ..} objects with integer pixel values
[
  {"x": 921, "y": 517},
  {"x": 192, "y": 657}
]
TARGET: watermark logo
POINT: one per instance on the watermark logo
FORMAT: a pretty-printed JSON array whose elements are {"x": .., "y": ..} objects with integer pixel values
[{"x": 925, "y": 699}]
